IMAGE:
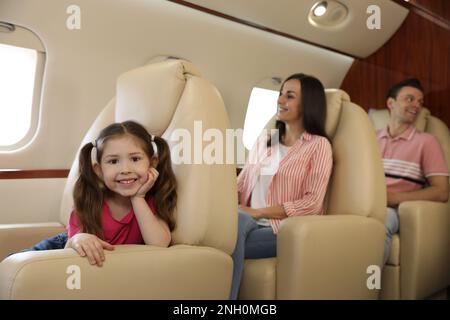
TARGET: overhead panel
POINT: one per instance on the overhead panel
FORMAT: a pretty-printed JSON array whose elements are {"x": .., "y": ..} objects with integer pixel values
[{"x": 357, "y": 28}]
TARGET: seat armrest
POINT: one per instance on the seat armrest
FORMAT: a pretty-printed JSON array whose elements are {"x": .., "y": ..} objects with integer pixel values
[
  {"x": 129, "y": 272},
  {"x": 425, "y": 243},
  {"x": 326, "y": 257},
  {"x": 16, "y": 237}
]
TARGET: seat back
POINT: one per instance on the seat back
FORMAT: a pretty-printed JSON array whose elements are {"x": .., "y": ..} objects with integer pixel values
[
  {"x": 357, "y": 182},
  {"x": 172, "y": 100}
]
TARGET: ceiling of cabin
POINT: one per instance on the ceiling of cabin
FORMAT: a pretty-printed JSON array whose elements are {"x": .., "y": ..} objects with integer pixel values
[{"x": 351, "y": 36}]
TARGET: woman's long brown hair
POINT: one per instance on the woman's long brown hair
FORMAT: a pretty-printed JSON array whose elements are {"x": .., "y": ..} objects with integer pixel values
[
  {"x": 313, "y": 104},
  {"x": 89, "y": 191}
]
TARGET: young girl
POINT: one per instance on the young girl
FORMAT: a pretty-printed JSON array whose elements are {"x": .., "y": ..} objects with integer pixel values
[{"x": 125, "y": 193}]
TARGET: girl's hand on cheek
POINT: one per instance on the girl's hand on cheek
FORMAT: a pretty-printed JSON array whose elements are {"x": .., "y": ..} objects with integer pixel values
[{"x": 152, "y": 176}]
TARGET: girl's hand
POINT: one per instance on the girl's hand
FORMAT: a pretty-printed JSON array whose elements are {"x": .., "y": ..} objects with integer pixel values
[
  {"x": 152, "y": 176},
  {"x": 91, "y": 246}
]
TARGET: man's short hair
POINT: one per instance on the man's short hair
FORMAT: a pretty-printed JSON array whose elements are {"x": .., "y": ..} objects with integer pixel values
[{"x": 412, "y": 82}]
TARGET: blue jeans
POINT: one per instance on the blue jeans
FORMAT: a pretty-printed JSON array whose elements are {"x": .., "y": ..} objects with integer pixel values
[
  {"x": 253, "y": 242},
  {"x": 392, "y": 226},
  {"x": 56, "y": 242}
]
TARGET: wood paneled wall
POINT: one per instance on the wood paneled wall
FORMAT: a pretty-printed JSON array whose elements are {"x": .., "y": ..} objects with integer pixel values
[
  {"x": 421, "y": 49},
  {"x": 439, "y": 8}
]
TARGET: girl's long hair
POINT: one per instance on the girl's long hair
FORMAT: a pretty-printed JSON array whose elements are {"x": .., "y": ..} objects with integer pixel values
[
  {"x": 90, "y": 192},
  {"x": 313, "y": 104}
]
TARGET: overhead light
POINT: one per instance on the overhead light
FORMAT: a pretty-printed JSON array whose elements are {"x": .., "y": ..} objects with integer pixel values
[
  {"x": 320, "y": 8},
  {"x": 327, "y": 14}
]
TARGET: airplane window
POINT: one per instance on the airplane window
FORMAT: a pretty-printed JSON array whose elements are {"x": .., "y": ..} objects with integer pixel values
[
  {"x": 261, "y": 108},
  {"x": 22, "y": 60},
  {"x": 18, "y": 67}
]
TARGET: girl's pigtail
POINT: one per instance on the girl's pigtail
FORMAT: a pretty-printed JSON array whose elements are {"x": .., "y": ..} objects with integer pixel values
[
  {"x": 164, "y": 190},
  {"x": 88, "y": 194}
]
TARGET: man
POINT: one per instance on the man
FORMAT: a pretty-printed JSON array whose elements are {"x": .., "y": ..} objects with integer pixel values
[{"x": 414, "y": 163}]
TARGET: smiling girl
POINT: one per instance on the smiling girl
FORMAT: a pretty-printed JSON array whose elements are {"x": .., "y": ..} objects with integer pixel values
[{"x": 125, "y": 193}]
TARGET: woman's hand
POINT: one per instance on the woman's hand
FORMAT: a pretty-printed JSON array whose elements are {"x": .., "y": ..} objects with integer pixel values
[
  {"x": 152, "y": 175},
  {"x": 91, "y": 246},
  {"x": 254, "y": 213}
]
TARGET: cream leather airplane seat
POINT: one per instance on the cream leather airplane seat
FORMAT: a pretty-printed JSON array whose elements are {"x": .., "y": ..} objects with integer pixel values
[
  {"x": 328, "y": 257},
  {"x": 419, "y": 261},
  {"x": 164, "y": 97}
]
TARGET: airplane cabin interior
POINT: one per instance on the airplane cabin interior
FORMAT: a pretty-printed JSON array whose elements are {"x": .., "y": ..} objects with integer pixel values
[{"x": 208, "y": 77}]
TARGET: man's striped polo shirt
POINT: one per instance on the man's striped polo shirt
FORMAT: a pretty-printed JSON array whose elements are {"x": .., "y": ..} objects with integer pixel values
[{"x": 410, "y": 158}]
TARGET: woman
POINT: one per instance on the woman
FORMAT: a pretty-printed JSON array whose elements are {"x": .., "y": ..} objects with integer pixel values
[{"x": 303, "y": 161}]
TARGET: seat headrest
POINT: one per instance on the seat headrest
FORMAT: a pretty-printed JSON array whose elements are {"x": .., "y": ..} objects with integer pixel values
[
  {"x": 335, "y": 99},
  {"x": 380, "y": 118},
  {"x": 153, "y": 108}
]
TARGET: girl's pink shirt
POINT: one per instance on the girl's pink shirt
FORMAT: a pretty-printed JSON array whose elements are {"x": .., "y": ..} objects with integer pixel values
[{"x": 125, "y": 231}]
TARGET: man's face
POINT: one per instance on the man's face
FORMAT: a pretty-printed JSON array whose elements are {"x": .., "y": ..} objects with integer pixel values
[{"x": 406, "y": 106}]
